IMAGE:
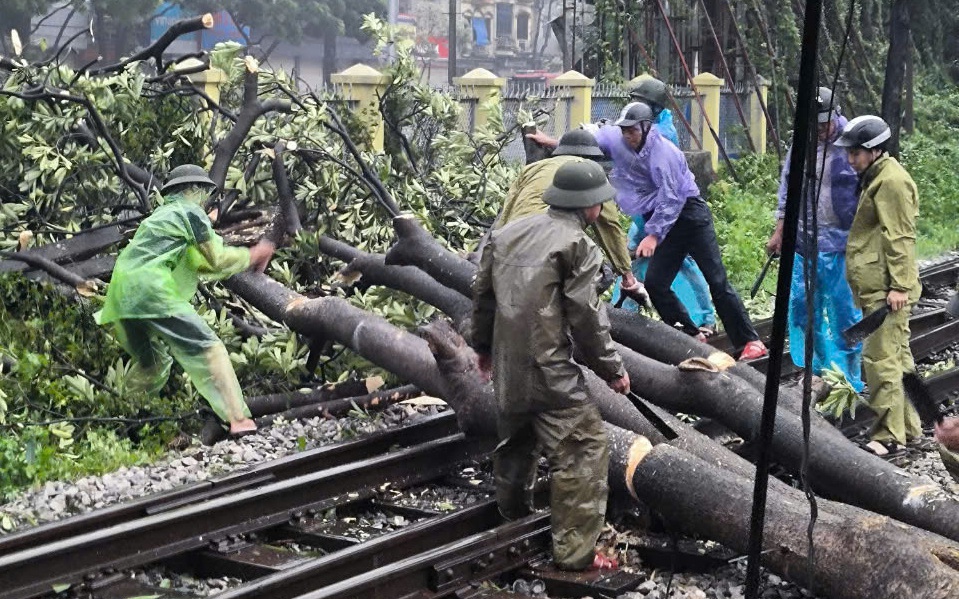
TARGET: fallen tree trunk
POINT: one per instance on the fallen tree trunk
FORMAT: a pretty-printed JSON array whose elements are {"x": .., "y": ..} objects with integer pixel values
[
  {"x": 364, "y": 270},
  {"x": 400, "y": 352},
  {"x": 836, "y": 465},
  {"x": 342, "y": 405},
  {"x": 79, "y": 247},
  {"x": 858, "y": 554},
  {"x": 261, "y": 405},
  {"x": 851, "y": 543}
]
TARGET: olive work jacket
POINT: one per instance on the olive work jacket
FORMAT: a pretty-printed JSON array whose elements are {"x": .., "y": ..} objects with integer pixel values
[
  {"x": 525, "y": 198},
  {"x": 534, "y": 298},
  {"x": 881, "y": 250}
]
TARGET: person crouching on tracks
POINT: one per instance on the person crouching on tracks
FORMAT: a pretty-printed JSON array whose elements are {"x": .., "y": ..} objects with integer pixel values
[
  {"x": 534, "y": 297},
  {"x": 881, "y": 269},
  {"x": 833, "y": 308},
  {"x": 154, "y": 279}
]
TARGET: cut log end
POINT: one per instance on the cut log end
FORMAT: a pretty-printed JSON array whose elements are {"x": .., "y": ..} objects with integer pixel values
[
  {"x": 721, "y": 360},
  {"x": 207, "y": 20},
  {"x": 251, "y": 64},
  {"x": 637, "y": 452}
]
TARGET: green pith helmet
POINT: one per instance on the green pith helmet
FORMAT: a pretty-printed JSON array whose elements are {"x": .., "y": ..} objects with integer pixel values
[
  {"x": 652, "y": 91},
  {"x": 865, "y": 131},
  {"x": 187, "y": 173},
  {"x": 578, "y": 142},
  {"x": 579, "y": 185}
]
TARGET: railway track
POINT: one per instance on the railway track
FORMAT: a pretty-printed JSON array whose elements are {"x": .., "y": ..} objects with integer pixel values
[
  {"x": 932, "y": 329},
  {"x": 243, "y": 525}
]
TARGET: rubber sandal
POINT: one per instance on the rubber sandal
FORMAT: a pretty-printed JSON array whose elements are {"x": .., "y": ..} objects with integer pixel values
[
  {"x": 601, "y": 562},
  {"x": 884, "y": 449},
  {"x": 241, "y": 434},
  {"x": 754, "y": 349}
]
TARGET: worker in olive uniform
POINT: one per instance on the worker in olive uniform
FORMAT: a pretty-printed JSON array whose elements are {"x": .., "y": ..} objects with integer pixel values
[
  {"x": 525, "y": 198},
  {"x": 881, "y": 269},
  {"x": 534, "y": 298},
  {"x": 154, "y": 279}
]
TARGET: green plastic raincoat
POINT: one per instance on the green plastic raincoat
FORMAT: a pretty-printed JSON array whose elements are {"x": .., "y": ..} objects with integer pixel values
[{"x": 148, "y": 304}]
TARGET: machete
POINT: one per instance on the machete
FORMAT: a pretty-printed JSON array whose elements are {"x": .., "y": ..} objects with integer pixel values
[
  {"x": 865, "y": 327},
  {"x": 921, "y": 399},
  {"x": 647, "y": 411},
  {"x": 762, "y": 275}
]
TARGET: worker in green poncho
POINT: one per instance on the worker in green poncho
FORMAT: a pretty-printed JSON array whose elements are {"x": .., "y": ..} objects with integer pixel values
[{"x": 154, "y": 279}]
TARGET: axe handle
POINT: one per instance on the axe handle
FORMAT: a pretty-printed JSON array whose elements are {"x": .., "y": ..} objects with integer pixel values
[{"x": 762, "y": 275}]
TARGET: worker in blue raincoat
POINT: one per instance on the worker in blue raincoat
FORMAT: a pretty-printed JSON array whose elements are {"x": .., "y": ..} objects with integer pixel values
[
  {"x": 154, "y": 279},
  {"x": 833, "y": 307},
  {"x": 689, "y": 285}
]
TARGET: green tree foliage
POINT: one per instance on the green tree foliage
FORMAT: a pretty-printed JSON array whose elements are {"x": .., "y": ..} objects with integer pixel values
[{"x": 52, "y": 183}]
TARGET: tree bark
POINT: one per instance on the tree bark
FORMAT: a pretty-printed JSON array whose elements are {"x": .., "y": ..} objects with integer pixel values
[
  {"x": 859, "y": 554},
  {"x": 365, "y": 270},
  {"x": 334, "y": 407},
  {"x": 899, "y": 35}
]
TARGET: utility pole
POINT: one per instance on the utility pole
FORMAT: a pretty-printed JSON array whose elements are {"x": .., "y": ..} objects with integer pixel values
[
  {"x": 392, "y": 16},
  {"x": 451, "y": 44}
]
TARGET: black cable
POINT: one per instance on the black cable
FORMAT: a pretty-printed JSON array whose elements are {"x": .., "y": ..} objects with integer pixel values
[
  {"x": 807, "y": 76},
  {"x": 811, "y": 270}
]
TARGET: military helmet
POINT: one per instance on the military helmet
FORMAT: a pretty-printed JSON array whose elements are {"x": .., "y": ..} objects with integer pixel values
[
  {"x": 578, "y": 142},
  {"x": 634, "y": 114},
  {"x": 826, "y": 105},
  {"x": 866, "y": 131},
  {"x": 580, "y": 184},
  {"x": 187, "y": 173},
  {"x": 651, "y": 91}
]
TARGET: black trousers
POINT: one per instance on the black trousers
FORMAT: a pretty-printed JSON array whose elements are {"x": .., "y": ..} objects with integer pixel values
[{"x": 694, "y": 235}]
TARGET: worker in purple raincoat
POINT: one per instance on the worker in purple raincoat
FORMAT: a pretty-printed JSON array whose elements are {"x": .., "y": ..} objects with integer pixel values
[{"x": 652, "y": 179}]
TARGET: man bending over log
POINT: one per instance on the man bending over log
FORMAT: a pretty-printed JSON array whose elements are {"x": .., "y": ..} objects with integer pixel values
[{"x": 534, "y": 296}]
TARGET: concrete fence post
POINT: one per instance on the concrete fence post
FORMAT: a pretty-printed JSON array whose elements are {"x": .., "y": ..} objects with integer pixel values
[
  {"x": 757, "y": 118},
  {"x": 483, "y": 87},
  {"x": 709, "y": 86},
  {"x": 364, "y": 85},
  {"x": 579, "y": 105}
]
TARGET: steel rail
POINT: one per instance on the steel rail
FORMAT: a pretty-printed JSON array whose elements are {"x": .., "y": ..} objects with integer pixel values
[
  {"x": 315, "y": 460},
  {"x": 366, "y": 557},
  {"x": 33, "y": 571},
  {"x": 441, "y": 571}
]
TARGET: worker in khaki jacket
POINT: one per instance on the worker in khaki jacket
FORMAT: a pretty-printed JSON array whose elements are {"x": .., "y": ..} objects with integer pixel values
[
  {"x": 881, "y": 268},
  {"x": 534, "y": 297},
  {"x": 525, "y": 198}
]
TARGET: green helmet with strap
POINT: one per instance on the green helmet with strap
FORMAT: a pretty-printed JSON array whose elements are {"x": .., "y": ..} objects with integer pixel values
[
  {"x": 650, "y": 90},
  {"x": 580, "y": 184},
  {"x": 187, "y": 173},
  {"x": 578, "y": 142}
]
